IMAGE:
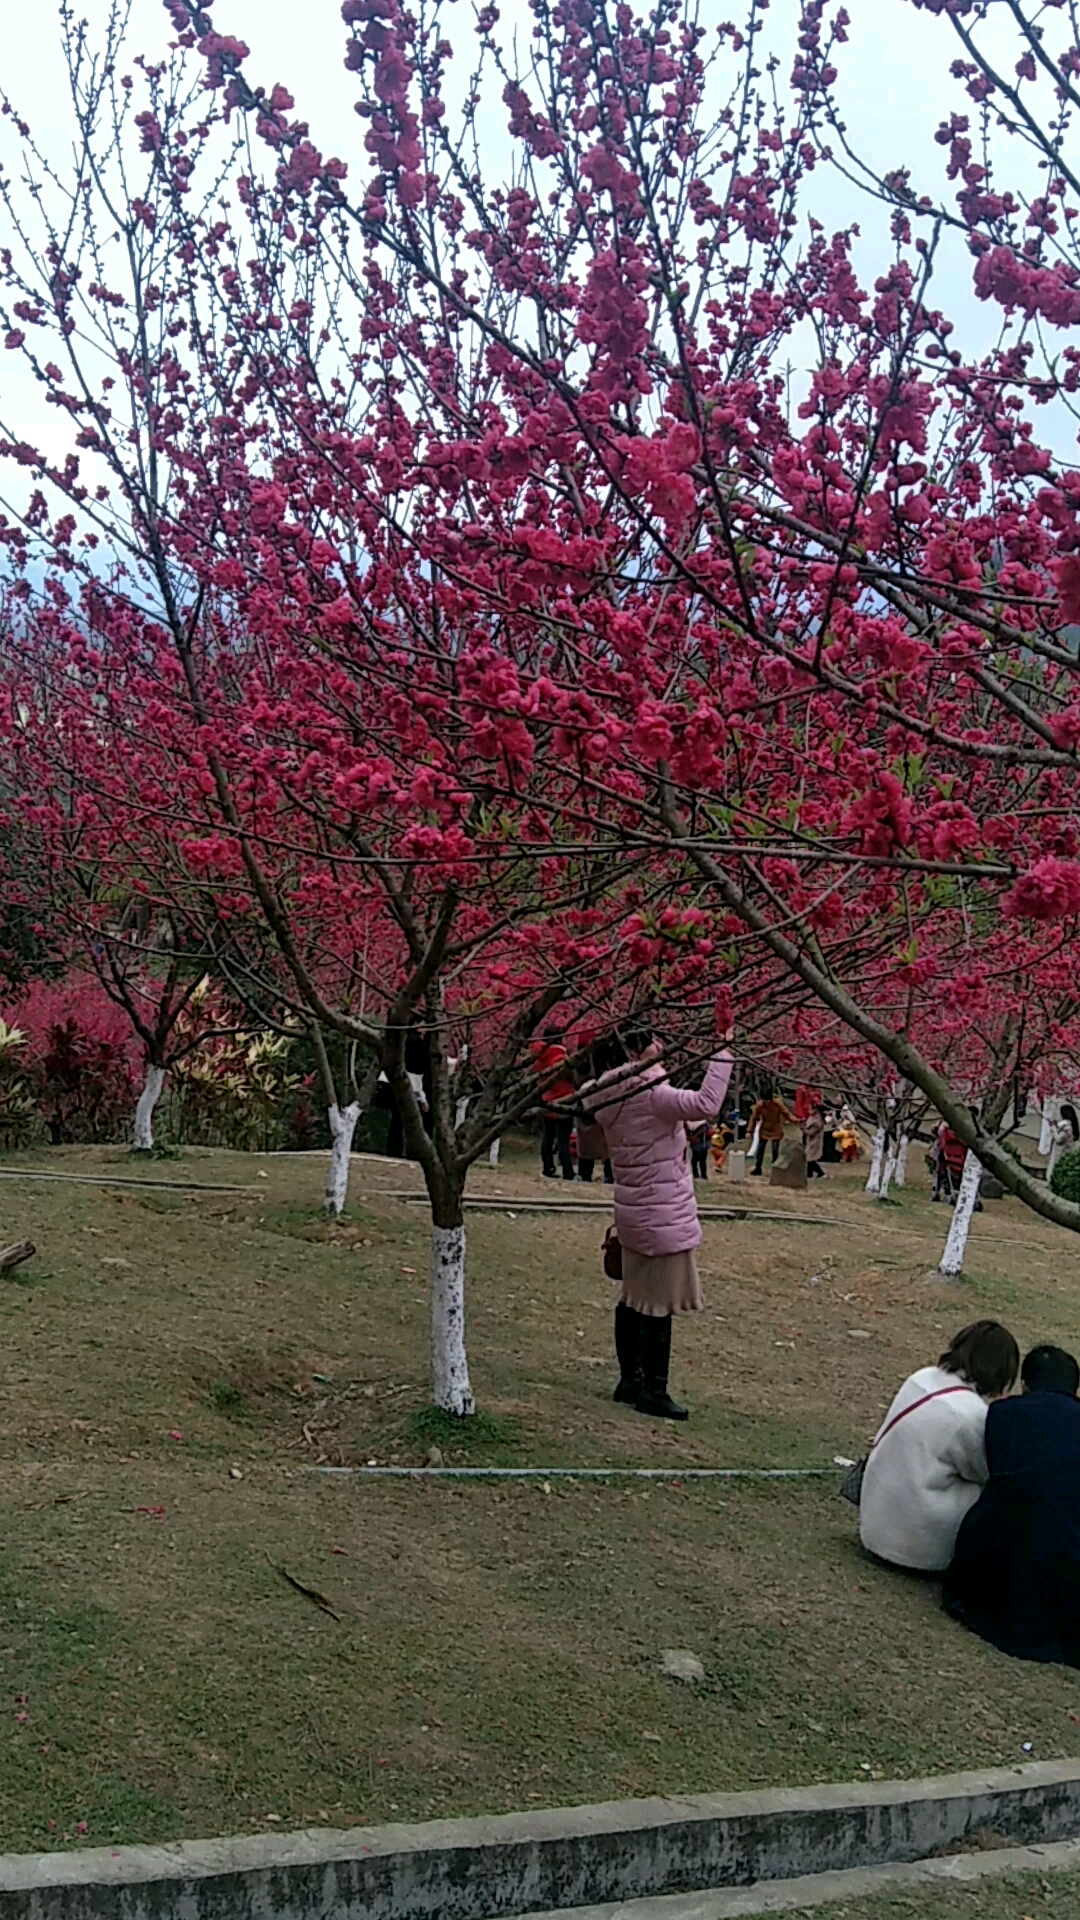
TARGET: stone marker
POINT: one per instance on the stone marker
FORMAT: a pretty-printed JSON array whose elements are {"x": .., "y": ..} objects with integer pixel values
[{"x": 790, "y": 1169}]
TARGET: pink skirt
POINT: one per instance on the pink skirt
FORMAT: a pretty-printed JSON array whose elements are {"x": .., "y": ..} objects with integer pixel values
[{"x": 661, "y": 1283}]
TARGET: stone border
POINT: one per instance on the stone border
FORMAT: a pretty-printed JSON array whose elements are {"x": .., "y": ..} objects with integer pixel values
[
  {"x": 516, "y": 1863},
  {"x": 860, "y": 1883}
]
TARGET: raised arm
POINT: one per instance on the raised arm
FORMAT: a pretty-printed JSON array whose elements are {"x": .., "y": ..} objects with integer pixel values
[{"x": 690, "y": 1103}]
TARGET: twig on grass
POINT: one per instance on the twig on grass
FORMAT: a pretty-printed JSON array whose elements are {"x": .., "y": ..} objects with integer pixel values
[{"x": 310, "y": 1593}]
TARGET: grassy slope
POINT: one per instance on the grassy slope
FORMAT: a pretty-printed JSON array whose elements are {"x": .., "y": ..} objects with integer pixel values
[{"x": 498, "y": 1645}]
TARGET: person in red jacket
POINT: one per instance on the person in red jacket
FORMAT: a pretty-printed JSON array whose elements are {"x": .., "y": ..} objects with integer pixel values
[{"x": 556, "y": 1097}]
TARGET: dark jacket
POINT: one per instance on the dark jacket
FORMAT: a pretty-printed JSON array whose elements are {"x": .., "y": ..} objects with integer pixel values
[{"x": 1015, "y": 1576}]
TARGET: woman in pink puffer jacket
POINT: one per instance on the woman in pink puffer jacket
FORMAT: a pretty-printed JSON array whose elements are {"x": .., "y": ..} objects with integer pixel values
[{"x": 644, "y": 1119}]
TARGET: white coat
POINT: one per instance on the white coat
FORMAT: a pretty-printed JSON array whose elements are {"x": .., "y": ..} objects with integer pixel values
[{"x": 925, "y": 1474}]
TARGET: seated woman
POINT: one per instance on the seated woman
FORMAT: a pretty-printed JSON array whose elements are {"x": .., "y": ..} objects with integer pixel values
[
  {"x": 927, "y": 1465},
  {"x": 1016, "y": 1575}
]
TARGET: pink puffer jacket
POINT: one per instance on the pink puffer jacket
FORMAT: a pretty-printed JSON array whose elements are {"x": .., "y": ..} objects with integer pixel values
[{"x": 644, "y": 1120}]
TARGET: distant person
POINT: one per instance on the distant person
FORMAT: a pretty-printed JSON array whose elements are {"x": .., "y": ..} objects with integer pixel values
[
  {"x": 927, "y": 1465},
  {"x": 814, "y": 1143},
  {"x": 721, "y": 1140},
  {"x": 769, "y": 1117},
  {"x": 645, "y": 1120},
  {"x": 950, "y": 1155},
  {"x": 699, "y": 1138},
  {"x": 1063, "y": 1137},
  {"x": 846, "y": 1133},
  {"x": 556, "y": 1098},
  {"x": 591, "y": 1145},
  {"x": 1015, "y": 1576}
]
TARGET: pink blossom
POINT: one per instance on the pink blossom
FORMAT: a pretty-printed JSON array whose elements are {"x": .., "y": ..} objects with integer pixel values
[{"x": 1049, "y": 891}]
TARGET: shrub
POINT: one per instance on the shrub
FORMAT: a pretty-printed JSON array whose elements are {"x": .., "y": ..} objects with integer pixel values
[
  {"x": 18, "y": 1107},
  {"x": 235, "y": 1091},
  {"x": 1065, "y": 1179},
  {"x": 82, "y": 1060}
]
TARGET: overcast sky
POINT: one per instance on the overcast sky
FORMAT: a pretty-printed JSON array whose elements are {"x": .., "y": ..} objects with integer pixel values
[{"x": 895, "y": 89}]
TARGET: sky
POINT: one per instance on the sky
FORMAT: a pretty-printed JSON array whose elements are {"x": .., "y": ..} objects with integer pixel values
[{"x": 895, "y": 89}]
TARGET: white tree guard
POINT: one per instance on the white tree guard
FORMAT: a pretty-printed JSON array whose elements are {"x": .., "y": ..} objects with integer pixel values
[
  {"x": 342, "y": 1128},
  {"x": 1046, "y": 1124},
  {"x": 873, "y": 1178},
  {"x": 493, "y": 1153},
  {"x": 449, "y": 1366},
  {"x": 887, "y": 1171},
  {"x": 900, "y": 1176},
  {"x": 144, "y": 1112},
  {"x": 952, "y": 1260}
]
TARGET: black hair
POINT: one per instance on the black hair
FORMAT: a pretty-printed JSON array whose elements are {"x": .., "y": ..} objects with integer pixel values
[
  {"x": 1050, "y": 1370},
  {"x": 637, "y": 1036},
  {"x": 1068, "y": 1112},
  {"x": 986, "y": 1355}
]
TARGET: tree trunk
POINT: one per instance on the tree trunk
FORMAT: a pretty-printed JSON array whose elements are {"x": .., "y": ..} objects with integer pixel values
[
  {"x": 493, "y": 1153},
  {"x": 144, "y": 1112},
  {"x": 1046, "y": 1127},
  {"x": 873, "y": 1178},
  {"x": 952, "y": 1260},
  {"x": 342, "y": 1127},
  {"x": 450, "y": 1387},
  {"x": 900, "y": 1176},
  {"x": 887, "y": 1171}
]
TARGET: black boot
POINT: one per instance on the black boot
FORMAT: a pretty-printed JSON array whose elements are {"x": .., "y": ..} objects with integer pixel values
[
  {"x": 628, "y": 1354},
  {"x": 654, "y": 1397}
]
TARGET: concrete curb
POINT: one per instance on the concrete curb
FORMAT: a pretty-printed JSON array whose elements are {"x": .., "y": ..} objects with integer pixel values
[
  {"x": 861, "y": 1883},
  {"x": 532, "y": 1863}
]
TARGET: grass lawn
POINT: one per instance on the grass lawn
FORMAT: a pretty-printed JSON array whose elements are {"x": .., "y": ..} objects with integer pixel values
[
  {"x": 175, "y": 1364},
  {"x": 1021, "y": 1896}
]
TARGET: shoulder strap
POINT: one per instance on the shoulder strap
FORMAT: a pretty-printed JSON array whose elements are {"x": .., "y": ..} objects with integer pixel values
[{"x": 941, "y": 1393}]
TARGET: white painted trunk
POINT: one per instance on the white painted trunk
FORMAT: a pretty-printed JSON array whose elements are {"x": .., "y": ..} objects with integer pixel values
[
  {"x": 952, "y": 1260},
  {"x": 342, "y": 1128},
  {"x": 460, "y": 1114},
  {"x": 900, "y": 1176},
  {"x": 887, "y": 1172},
  {"x": 1046, "y": 1126},
  {"x": 873, "y": 1179},
  {"x": 493, "y": 1153},
  {"x": 144, "y": 1112},
  {"x": 449, "y": 1366}
]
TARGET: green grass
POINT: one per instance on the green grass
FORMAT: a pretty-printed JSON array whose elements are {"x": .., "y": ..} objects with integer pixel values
[
  {"x": 1025, "y": 1896},
  {"x": 482, "y": 1435}
]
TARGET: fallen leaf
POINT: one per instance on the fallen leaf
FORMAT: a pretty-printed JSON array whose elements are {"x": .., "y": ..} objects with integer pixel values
[
  {"x": 310, "y": 1593},
  {"x": 156, "y": 1513}
]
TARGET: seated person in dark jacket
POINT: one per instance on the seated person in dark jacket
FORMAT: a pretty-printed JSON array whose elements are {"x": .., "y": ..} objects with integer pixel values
[{"x": 1015, "y": 1576}]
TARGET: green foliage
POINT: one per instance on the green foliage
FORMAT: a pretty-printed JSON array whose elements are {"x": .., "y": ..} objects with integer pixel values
[
  {"x": 1065, "y": 1179},
  {"x": 18, "y": 1108},
  {"x": 481, "y": 1433}
]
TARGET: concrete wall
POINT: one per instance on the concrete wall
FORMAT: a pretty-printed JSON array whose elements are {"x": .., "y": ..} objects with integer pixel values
[{"x": 522, "y": 1863}]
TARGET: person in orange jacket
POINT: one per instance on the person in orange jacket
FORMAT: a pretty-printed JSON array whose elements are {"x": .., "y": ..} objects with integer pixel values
[{"x": 770, "y": 1117}]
